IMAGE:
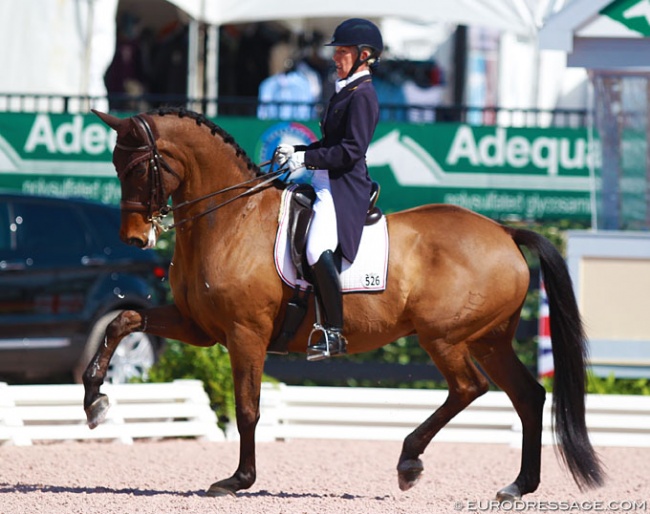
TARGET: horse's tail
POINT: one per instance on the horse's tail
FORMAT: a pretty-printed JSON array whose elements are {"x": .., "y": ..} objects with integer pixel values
[{"x": 569, "y": 357}]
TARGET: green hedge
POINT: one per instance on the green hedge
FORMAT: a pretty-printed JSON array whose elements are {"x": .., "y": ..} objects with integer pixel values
[{"x": 210, "y": 365}]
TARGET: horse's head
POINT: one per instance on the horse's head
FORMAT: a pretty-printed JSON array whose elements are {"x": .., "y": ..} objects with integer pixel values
[{"x": 145, "y": 176}]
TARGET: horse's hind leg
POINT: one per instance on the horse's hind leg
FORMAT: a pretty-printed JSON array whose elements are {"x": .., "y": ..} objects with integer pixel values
[
  {"x": 466, "y": 383},
  {"x": 499, "y": 361},
  {"x": 165, "y": 321}
]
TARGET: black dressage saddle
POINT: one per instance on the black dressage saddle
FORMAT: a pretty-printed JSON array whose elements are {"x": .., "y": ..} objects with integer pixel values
[{"x": 300, "y": 216}]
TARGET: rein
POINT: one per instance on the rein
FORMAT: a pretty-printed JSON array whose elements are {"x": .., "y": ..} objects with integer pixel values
[
  {"x": 268, "y": 178},
  {"x": 158, "y": 197}
]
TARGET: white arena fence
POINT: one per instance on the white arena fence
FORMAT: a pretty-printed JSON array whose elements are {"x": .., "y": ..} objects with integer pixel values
[
  {"x": 32, "y": 413},
  {"x": 181, "y": 408},
  {"x": 391, "y": 414}
]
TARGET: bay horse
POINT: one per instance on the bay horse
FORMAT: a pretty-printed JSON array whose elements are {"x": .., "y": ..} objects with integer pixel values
[{"x": 456, "y": 279}]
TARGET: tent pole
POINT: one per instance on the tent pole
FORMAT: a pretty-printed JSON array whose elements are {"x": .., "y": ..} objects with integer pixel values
[
  {"x": 85, "y": 74},
  {"x": 212, "y": 70},
  {"x": 193, "y": 64}
]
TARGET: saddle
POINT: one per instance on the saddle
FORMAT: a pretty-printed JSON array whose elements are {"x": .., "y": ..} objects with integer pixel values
[{"x": 300, "y": 216}]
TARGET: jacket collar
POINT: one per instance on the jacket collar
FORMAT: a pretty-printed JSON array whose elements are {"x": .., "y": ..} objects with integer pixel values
[{"x": 343, "y": 83}]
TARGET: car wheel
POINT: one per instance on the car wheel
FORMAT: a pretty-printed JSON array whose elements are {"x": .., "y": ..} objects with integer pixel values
[{"x": 133, "y": 357}]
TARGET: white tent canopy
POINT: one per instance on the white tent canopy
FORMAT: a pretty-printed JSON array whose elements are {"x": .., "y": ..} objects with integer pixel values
[
  {"x": 64, "y": 47},
  {"x": 506, "y": 15},
  {"x": 511, "y": 16},
  {"x": 58, "y": 48}
]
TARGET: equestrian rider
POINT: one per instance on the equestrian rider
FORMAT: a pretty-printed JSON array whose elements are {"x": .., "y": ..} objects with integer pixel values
[{"x": 340, "y": 179}]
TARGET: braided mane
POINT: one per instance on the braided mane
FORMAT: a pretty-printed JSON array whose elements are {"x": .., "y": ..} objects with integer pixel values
[{"x": 215, "y": 129}]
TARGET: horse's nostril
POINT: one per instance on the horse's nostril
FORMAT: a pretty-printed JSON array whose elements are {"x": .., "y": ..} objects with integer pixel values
[{"x": 134, "y": 241}]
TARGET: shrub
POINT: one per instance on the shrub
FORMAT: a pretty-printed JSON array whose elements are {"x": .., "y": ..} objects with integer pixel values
[
  {"x": 612, "y": 385},
  {"x": 210, "y": 365}
]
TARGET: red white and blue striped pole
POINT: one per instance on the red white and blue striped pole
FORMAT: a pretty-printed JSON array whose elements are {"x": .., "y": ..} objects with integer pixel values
[{"x": 544, "y": 350}]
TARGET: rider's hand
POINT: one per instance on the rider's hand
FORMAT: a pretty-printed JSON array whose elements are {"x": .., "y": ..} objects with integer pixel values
[
  {"x": 283, "y": 153},
  {"x": 296, "y": 162}
]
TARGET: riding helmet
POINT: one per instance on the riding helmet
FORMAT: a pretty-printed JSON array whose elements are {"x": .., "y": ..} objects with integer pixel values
[{"x": 358, "y": 32}]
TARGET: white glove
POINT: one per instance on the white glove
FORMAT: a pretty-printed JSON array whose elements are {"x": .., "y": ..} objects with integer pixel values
[
  {"x": 296, "y": 162},
  {"x": 283, "y": 153}
]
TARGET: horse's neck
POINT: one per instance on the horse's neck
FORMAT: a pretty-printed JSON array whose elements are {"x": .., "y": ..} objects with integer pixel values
[
  {"x": 209, "y": 182},
  {"x": 216, "y": 172},
  {"x": 219, "y": 221},
  {"x": 227, "y": 215}
]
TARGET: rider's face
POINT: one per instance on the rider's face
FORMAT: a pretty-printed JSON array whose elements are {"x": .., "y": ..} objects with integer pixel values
[{"x": 344, "y": 57}]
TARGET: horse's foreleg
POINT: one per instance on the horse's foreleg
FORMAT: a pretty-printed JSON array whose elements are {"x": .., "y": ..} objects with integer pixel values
[
  {"x": 247, "y": 352},
  {"x": 502, "y": 365},
  {"x": 465, "y": 383},
  {"x": 165, "y": 321}
]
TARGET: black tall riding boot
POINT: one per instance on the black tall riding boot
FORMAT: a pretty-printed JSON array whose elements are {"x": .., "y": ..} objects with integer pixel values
[{"x": 328, "y": 292}]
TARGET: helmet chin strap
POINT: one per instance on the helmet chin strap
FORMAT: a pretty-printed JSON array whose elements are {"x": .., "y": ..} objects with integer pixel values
[{"x": 358, "y": 62}]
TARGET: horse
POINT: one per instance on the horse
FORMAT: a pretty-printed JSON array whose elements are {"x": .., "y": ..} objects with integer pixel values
[{"x": 457, "y": 279}]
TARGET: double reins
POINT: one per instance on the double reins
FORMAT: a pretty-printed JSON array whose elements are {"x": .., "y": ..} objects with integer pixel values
[
  {"x": 156, "y": 163},
  {"x": 268, "y": 178}
]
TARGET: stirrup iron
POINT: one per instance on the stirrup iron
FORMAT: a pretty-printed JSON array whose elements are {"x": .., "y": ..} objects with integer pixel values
[{"x": 332, "y": 343}]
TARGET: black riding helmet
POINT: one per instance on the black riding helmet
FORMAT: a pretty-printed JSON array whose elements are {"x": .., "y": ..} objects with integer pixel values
[{"x": 359, "y": 33}]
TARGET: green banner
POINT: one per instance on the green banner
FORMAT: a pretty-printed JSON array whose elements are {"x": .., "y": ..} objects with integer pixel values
[
  {"x": 58, "y": 155},
  {"x": 500, "y": 172}
]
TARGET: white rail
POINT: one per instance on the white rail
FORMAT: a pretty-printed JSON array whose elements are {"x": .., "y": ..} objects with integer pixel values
[
  {"x": 391, "y": 414},
  {"x": 181, "y": 408}
]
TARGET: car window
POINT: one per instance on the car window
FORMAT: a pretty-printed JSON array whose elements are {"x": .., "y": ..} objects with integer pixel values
[
  {"x": 48, "y": 228},
  {"x": 105, "y": 225}
]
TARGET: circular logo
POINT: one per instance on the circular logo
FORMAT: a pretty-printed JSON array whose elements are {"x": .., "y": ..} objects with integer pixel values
[{"x": 288, "y": 132}]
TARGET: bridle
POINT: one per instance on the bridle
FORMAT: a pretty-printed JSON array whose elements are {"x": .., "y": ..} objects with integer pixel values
[
  {"x": 157, "y": 208},
  {"x": 155, "y": 164}
]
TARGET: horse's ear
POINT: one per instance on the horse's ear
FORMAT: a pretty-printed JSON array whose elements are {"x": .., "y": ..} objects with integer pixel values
[{"x": 112, "y": 121}]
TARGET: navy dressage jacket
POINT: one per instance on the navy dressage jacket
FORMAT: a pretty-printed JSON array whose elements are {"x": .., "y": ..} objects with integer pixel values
[{"x": 347, "y": 128}]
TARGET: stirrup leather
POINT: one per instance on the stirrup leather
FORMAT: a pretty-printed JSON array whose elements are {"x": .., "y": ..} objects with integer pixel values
[{"x": 331, "y": 343}]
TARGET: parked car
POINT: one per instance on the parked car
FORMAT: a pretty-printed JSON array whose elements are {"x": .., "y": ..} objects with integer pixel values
[{"x": 64, "y": 275}]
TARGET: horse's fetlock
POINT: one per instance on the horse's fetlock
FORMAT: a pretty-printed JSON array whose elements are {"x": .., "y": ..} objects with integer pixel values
[
  {"x": 246, "y": 479},
  {"x": 528, "y": 484},
  {"x": 112, "y": 331}
]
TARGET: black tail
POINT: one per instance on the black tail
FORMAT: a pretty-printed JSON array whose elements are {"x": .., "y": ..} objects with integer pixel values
[{"x": 569, "y": 358}]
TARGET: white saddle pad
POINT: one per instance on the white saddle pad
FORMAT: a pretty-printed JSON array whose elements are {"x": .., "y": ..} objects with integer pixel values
[{"x": 368, "y": 271}]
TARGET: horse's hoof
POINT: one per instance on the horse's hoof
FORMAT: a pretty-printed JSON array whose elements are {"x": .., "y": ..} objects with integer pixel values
[
  {"x": 96, "y": 412},
  {"x": 509, "y": 493},
  {"x": 216, "y": 491},
  {"x": 408, "y": 473}
]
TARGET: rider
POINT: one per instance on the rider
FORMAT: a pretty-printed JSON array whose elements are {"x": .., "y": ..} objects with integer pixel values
[{"x": 340, "y": 179}]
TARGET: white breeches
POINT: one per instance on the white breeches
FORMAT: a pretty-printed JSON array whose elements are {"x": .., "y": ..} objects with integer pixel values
[{"x": 323, "y": 234}]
